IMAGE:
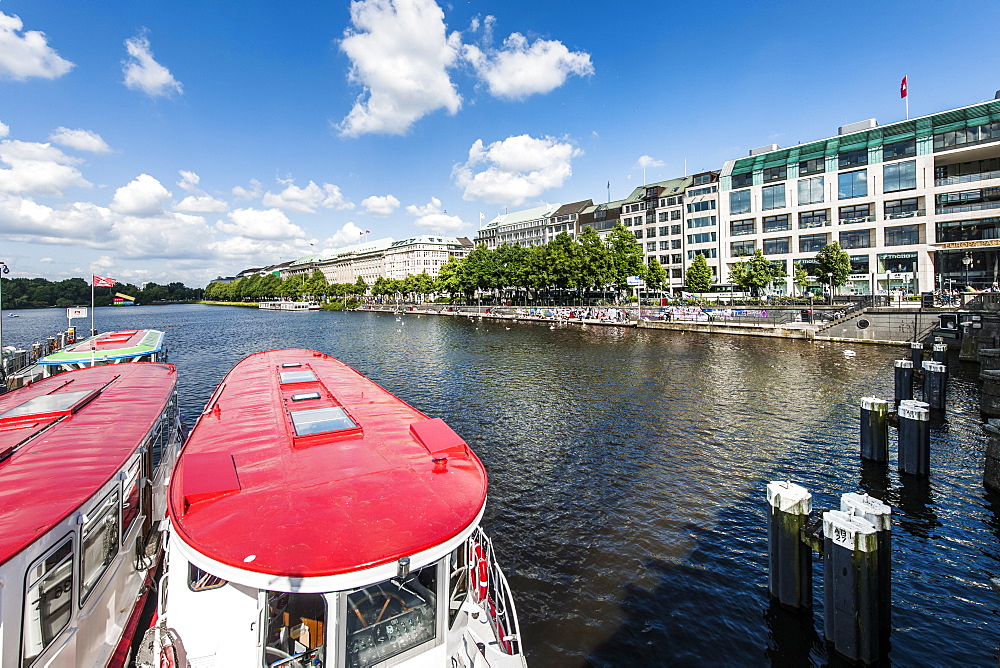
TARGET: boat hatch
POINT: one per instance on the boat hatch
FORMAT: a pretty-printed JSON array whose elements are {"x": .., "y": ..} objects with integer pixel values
[
  {"x": 50, "y": 405},
  {"x": 439, "y": 439},
  {"x": 209, "y": 476},
  {"x": 314, "y": 421},
  {"x": 305, "y": 396},
  {"x": 305, "y": 376}
]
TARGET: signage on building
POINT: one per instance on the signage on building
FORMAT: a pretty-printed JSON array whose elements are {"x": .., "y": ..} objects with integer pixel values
[{"x": 970, "y": 244}]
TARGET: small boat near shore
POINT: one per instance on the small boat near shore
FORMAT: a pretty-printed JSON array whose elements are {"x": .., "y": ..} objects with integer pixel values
[
  {"x": 85, "y": 458},
  {"x": 288, "y": 306},
  {"x": 318, "y": 520}
]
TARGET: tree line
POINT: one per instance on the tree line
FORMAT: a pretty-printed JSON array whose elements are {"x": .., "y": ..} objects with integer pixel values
[
  {"x": 586, "y": 265},
  {"x": 43, "y": 293}
]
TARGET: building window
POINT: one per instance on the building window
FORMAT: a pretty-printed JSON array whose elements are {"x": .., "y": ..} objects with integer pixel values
[
  {"x": 701, "y": 238},
  {"x": 706, "y": 252},
  {"x": 675, "y": 229},
  {"x": 664, "y": 245},
  {"x": 651, "y": 246},
  {"x": 974, "y": 135},
  {"x": 695, "y": 207},
  {"x": 675, "y": 214},
  {"x": 702, "y": 179},
  {"x": 773, "y": 197},
  {"x": 676, "y": 258},
  {"x": 902, "y": 208},
  {"x": 813, "y": 166},
  {"x": 777, "y": 246},
  {"x": 638, "y": 234},
  {"x": 858, "y": 213},
  {"x": 812, "y": 243},
  {"x": 702, "y": 191},
  {"x": 899, "y": 176},
  {"x": 859, "y": 264},
  {"x": 775, "y": 173},
  {"x": 811, "y": 190},
  {"x": 742, "y": 180},
  {"x": 661, "y": 216},
  {"x": 650, "y": 232},
  {"x": 852, "y": 158},
  {"x": 739, "y": 201},
  {"x": 904, "y": 235},
  {"x": 738, "y": 227},
  {"x": 675, "y": 243},
  {"x": 776, "y": 223},
  {"x": 704, "y": 221},
  {"x": 664, "y": 231},
  {"x": 852, "y": 184},
  {"x": 742, "y": 248},
  {"x": 899, "y": 149},
  {"x": 809, "y": 219},
  {"x": 856, "y": 239}
]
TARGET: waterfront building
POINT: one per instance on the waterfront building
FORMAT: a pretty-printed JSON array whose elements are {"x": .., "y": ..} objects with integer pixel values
[
  {"x": 423, "y": 253},
  {"x": 910, "y": 202},
  {"x": 601, "y": 217},
  {"x": 518, "y": 228}
]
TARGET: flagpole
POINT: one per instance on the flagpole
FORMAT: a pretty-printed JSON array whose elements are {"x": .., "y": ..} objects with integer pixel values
[{"x": 92, "y": 286}]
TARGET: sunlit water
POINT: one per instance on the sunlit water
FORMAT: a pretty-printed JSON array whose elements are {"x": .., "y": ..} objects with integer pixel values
[{"x": 628, "y": 472}]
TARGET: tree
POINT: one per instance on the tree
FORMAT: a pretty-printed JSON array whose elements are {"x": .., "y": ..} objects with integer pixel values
[
  {"x": 800, "y": 277},
  {"x": 755, "y": 274},
  {"x": 656, "y": 275},
  {"x": 564, "y": 261},
  {"x": 699, "y": 275},
  {"x": 595, "y": 262},
  {"x": 833, "y": 259},
  {"x": 447, "y": 278},
  {"x": 626, "y": 257}
]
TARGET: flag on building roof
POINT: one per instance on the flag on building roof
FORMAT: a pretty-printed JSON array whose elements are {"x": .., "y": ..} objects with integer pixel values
[
  {"x": 104, "y": 282},
  {"x": 902, "y": 87}
]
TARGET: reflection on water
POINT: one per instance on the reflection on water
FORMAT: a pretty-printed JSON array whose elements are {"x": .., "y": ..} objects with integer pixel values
[{"x": 628, "y": 470}]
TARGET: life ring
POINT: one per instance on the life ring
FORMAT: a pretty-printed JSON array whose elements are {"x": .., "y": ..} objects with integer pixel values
[
  {"x": 505, "y": 644},
  {"x": 167, "y": 657},
  {"x": 479, "y": 573}
]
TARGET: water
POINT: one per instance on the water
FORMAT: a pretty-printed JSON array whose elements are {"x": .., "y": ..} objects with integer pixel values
[{"x": 628, "y": 470}]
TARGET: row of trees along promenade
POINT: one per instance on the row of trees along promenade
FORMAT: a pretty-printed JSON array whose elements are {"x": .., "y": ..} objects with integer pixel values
[
  {"x": 43, "y": 293},
  {"x": 589, "y": 264}
]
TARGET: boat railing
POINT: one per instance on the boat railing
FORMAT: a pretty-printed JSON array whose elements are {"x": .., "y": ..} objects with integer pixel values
[{"x": 499, "y": 601}]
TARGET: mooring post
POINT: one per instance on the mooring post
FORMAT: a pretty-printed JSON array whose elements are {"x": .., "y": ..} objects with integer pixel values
[
  {"x": 914, "y": 439},
  {"x": 935, "y": 384},
  {"x": 904, "y": 380},
  {"x": 991, "y": 469},
  {"x": 789, "y": 575},
  {"x": 880, "y": 515},
  {"x": 941, "y": 353},
  {"x": 916, "y": 353},
  {"x": 850, "y": 583},
  {"x": 874, "y": 429}
]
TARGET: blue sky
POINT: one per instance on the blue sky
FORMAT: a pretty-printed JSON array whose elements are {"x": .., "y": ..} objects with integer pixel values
[{"x": 185, "y": 140}]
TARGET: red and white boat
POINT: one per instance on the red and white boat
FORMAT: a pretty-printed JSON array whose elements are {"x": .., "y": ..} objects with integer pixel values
[
  {"x": 85, "y": 458},
  {"x": 318, "y": 520}
]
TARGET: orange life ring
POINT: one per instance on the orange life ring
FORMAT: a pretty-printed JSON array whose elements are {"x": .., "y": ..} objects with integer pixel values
[{"x": 479, "y": 573}]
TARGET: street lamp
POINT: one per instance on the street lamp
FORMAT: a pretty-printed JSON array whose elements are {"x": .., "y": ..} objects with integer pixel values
[
  {"x": 967, "y": 261},
  {"x": 829, "y": 275}
]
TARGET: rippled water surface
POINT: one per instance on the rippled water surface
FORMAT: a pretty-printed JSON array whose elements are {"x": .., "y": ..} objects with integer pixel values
[{"x": 628, "y": 472}]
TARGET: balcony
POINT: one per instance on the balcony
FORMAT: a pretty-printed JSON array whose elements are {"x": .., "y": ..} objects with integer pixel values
[
  {"x": 963, "y": 208},
  {"x": 906, "y": 214},
  {"x": 966, "y": 178},
  {"x": 852, "y": 221}
]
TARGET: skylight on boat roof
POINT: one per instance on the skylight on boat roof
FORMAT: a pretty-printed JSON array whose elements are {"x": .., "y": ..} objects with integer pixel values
[
  {"x": 286, "y": 365},
  {"x": 321, "y": 421},
  {"x": 297, "y": 376},
  {"x": 60, "y": 402},
  {"x": 305, "y": 396}
]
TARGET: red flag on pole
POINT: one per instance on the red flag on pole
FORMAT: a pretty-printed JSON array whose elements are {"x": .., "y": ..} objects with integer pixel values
[
  {"x": 103, "y": 282},
  {"x": 902, "y": 87}
]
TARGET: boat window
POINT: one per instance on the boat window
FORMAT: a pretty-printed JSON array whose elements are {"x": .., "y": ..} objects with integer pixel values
[
  {"x": 199, "y": 580},
  {"x": 59, "y": 402},
  {"x": 100, "y": 543},
  {"x": 297, "y": 376},
  {"x": 130, "y": 502},
  {"x": 296, "y": 630},
  {"x": 389, "y": 618},
  {"x": 305, "y": 396},
  {"x": 458, "y": 581},
  {"x": 321, "y": 421},
  {"x": 289, "y": 365},
  {"x": 48, "y": 601}
]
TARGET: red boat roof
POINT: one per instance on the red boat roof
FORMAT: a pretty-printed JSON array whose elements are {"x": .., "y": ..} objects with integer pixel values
[
  {"x": 56, "y": 448},
  {"x": 302, "y": 467}
]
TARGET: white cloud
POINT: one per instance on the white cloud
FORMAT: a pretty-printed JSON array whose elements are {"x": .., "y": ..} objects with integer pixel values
[
  {"x": 645, "y": 162},
  {"x": 263, "y": 224},
  {"x": 143, "y": 73},
  {"x": 4, "y": 130},
  {"x": 516, "y": 169},
  {"x": 253, "y": 192},
  {"x": 167, "y": 235},
  {"x": 81, "y": 140},
  {"x": 143, "y": 196},
  {"x": 400, "y": 54},
  {"x": 308, "y": 199},
  {"x": 433, "y": 219},
  {"x": 347, "y": 235},
  {"x": 78, "y": 224},
  {"x": 520, "y": 69},
  {"x": 27, "y": 55},
  {"x": 201, "y": 204},
  {"x": 39, "y": 169},
  {"x": 380, "y": 206},
  {"x": 189, "y": 181}
]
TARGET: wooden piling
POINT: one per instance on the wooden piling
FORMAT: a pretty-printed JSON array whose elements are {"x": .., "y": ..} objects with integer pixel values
[
  {"x": 935, "y": 384},
  {"x": 850, "y": 586},
  {"x": 991, "y": 471},
  {"x": 903, "y": 380},
  {"x": 875, "y": 429},
  {"x": 789, "y": 576},
  {"x": 916, "y": 354},
  {"x": 914, "y": 439},
  {"x": 880, "y": 515}
]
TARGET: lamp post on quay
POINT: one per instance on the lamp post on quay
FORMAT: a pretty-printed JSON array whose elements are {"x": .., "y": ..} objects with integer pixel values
[
  {"x": 967, "y": 261},
  {"x": 829, "y": 276}
]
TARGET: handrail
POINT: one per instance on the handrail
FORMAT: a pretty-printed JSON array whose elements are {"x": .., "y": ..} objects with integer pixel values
[{"x": 498, "y": 604}]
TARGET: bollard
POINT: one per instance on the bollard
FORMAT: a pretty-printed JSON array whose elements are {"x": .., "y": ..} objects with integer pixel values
[
  {"x": 914, "y": 439},
  {"x": 991, "y": 468},
  {"x": 916, "y": 354},
  {"x": 941, "y": 353},
  {"x": 874, "y": 429},
  {"x": 850, "y": 586},
  {"x": 789, "y": 575},
  {"x": 935, "y": 384},
  {"x": 904, "y": 380},
  {"x": 880, "y": 515}
]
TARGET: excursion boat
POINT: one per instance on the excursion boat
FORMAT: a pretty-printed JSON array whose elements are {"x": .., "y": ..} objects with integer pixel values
[
  {"x": 84, "y": 462},
  {"x": 288, "y": 306},
  {"x": 123, "y": 346},
  {"x": 318, "y": 520}
]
